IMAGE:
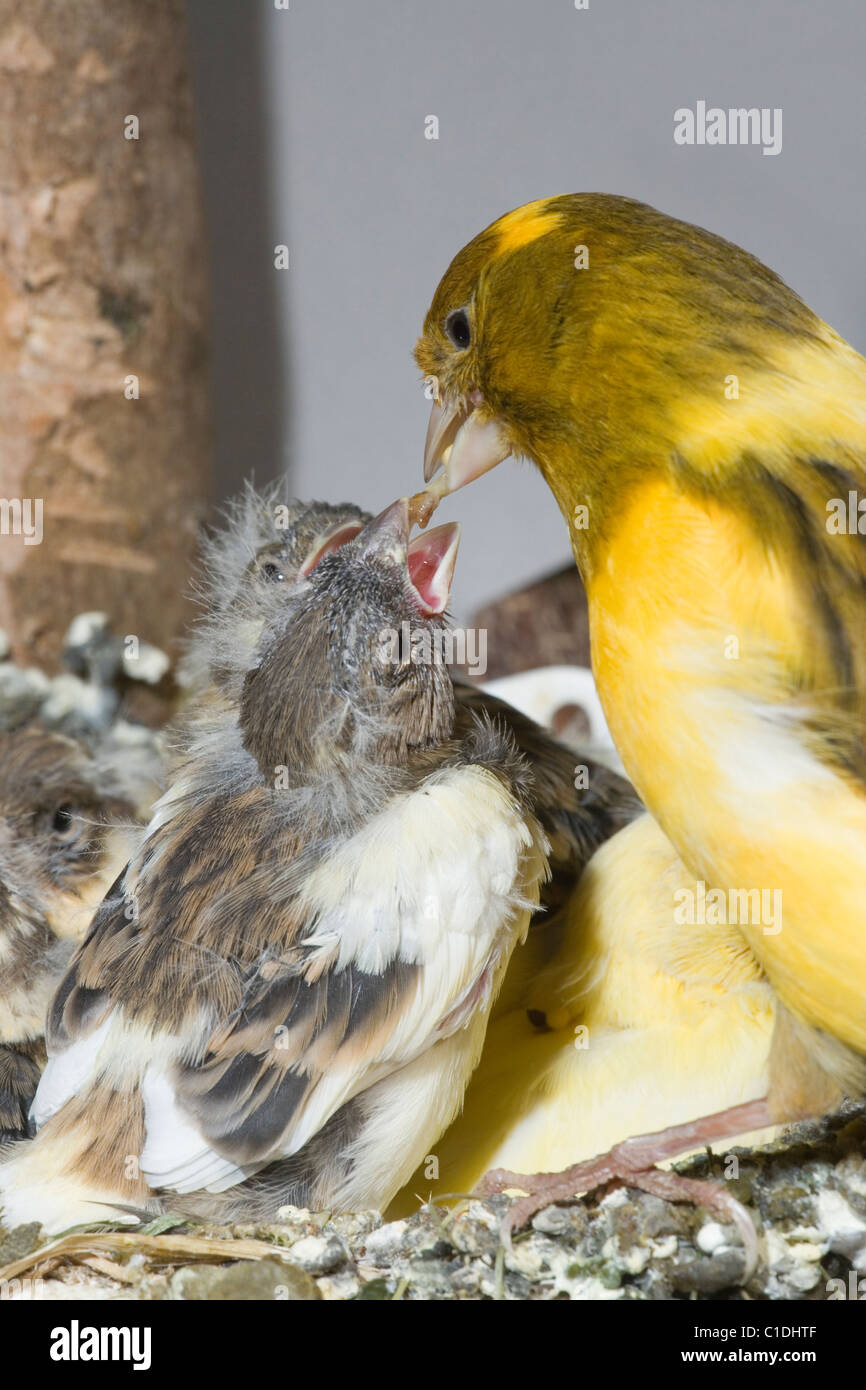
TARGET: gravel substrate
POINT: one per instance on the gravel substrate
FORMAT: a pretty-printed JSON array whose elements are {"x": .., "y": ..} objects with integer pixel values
[{"x": 807, "y": 1195}]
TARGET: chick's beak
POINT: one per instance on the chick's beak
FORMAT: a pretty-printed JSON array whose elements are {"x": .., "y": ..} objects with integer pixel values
[
  {"x": 388, "y": 533},
  {"x": 431, "y": 566},
  {"x": 429, "y": 559},
  {"x": 328, "y": 542},
  {"x": 463, "y": 438}
]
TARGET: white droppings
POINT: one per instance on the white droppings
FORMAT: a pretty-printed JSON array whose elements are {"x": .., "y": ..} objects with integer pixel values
[
  {"x": 844, "y": 1229},
  {"x": 381, "y": 1246},
  {"x": 711, "y": 1237}
]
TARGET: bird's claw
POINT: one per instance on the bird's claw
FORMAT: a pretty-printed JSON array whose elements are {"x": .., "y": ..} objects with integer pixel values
[{"x": 615, "y": 1170}]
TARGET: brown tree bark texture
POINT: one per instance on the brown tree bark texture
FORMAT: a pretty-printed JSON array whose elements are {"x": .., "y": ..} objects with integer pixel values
[{"x": 102, "y": 278}]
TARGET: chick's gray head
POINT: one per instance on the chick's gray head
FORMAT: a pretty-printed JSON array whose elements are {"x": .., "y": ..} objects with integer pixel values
[
  {"x": 353, "y": 667},
  {"x": 266, "y": 545}
]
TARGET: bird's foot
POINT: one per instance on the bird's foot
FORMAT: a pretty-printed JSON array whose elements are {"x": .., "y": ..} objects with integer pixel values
[{"x": 631, "y": 1164}]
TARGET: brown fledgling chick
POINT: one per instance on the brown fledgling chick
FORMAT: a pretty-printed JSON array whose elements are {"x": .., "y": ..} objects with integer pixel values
[
  {"x": 326, "y": 901},
  {"x": 267, "y": 542},
  {"x": 62, "y": 842}
]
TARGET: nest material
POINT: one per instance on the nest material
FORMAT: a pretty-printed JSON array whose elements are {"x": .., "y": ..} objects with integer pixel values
[{"x": 807, "y": 1193}]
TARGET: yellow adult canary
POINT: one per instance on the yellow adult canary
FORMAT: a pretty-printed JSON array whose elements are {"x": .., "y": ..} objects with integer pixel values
[{"x": 704, "y": 434}]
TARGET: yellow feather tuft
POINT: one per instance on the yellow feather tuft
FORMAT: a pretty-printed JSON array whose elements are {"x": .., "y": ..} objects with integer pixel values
[{"x": 525, "y": 224}]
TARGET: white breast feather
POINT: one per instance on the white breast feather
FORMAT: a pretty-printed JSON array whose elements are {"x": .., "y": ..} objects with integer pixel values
[{"x": 439, "y": 878}]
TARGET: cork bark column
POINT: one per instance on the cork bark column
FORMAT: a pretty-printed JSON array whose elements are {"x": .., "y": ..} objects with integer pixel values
[{"x": 102, "y": 278}]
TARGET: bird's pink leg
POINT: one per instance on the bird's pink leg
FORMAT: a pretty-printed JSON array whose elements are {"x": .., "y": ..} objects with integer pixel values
[{"x": 631, "y": 1164}]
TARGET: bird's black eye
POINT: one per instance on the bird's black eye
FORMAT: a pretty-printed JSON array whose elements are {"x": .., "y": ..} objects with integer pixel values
[
  {"x": 272, "y": 572},
  {"x": 458, "y": 329},
  {"x": 61, "y": 820}
]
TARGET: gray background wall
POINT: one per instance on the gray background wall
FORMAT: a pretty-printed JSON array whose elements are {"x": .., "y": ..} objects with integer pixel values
[{"x": 312, "y": 128}]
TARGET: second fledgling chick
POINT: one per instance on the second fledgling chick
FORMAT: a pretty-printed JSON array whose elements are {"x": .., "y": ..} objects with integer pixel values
[
  {"x": 266, "y": 542},
  {"x": 63, "y": 838},
  {"x": 326, "y": 902}
]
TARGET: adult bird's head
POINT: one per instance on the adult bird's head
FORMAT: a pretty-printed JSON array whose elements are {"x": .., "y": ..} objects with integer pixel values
[{"x": 595, "y": 336}]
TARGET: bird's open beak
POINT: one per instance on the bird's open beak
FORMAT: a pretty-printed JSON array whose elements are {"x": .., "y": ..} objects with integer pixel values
[
  {"x": 464, "y": 440},
  {"x": 429, "y": 559},
  {"x": 431, "y": 566}
]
